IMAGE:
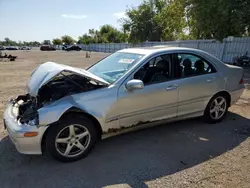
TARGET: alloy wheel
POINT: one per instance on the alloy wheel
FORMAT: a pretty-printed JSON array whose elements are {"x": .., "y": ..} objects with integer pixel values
[
  {"x": 73, "y": 140},
  {"x": 218, "y": 108}
]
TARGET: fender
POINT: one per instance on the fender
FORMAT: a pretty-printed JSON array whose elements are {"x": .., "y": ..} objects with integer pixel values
[{"x": 51, "y": 113}]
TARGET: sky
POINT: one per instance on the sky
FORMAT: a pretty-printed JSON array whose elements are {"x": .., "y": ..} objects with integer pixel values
[{"x": 30, "y": 20}]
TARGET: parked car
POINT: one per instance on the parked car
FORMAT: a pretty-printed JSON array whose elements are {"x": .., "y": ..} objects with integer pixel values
[
  {"x": 64, "y": 47},
  {"x": 73, "y": 48},
  {"x": 67, "y": 110},
  {"x": 47, "y": 48},
  {"x": 25, "y": 48},
  {"x": 243, "y": 60},
  {"x": 2, "y": 48},
  {"x": 12, "y": 48}
]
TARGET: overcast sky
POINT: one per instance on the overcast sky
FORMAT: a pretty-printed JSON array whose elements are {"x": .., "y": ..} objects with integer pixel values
[{"x": 29, "y": 20}]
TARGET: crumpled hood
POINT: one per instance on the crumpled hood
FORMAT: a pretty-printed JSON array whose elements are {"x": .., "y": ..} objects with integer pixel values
[{"x": 47, "y": 71}]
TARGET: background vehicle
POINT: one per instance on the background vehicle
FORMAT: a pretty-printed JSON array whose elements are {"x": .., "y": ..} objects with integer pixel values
[
  {"x": 73, "y": 48},
  {"x": 243, "y": 60},
  {"x": 2, "y": 48},
  {"x": 68, "y": 109},
  {"x": 47, "y": 48},
  {"x": 12, "y": 48},
  {"x": 25, "y": 48},
  {"x": 64, "y": 47}
]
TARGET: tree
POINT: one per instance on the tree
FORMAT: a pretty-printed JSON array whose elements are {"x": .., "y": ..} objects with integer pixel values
[
  {"x": 35, "y": 43},
  {"x": 85, "y": 39},
  {"x": 67, "y": 40},
  {"x": 95, "y": 35},
  {"x": 218, "y": 18},
  {"x": 106, "y": 34},
  {"x": 57, "y": 41},
  {"x": 7, "y": 40},
  {"x": 141, "y": 24},
  {"x": 172, "y": 20},
  {"x": 46, "y": 42},
  {"x": 110, "y": 34},
  {"x": 155, "y": 20}
]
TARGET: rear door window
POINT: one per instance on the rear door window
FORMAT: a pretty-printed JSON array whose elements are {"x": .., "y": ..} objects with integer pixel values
[{"x": 192, "y": 65}]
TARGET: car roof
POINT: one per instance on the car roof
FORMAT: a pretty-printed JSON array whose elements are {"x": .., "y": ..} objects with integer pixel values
[
  {"x": 157, "y": 49},
  {"x": 148, "y": 51}
]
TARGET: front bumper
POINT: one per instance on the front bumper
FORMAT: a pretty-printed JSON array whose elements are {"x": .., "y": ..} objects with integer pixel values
[{"x": 16, "y": 130}]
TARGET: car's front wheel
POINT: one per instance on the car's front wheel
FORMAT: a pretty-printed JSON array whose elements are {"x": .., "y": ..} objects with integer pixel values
[
  {"x": 216, "y": 109},
  {"x": 71, "y": 138}
]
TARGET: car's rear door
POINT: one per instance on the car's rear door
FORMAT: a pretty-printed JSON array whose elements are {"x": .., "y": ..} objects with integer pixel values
[
  {"x": 156, "y": 101},
  {"x": 197, "y": 84}
]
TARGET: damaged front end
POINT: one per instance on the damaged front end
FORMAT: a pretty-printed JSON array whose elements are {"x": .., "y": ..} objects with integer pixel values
[
  {"x": 51, "y": 82},
  {"x": 26, "y": 116},
  {"x": 26, "y": 109}
]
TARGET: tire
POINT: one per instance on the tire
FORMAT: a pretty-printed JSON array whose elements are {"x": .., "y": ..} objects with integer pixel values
[
  {"x": 212, "y": 109},
  {"x": 65, "y": 146}
]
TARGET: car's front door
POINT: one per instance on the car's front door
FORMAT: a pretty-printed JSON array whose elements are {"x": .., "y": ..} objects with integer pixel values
[
  {"x": 197, "y": 83},
  {"x": 156, "y": 101}
]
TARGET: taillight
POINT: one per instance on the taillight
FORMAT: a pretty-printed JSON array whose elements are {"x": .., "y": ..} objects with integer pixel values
[{"x": 241, "y": 80}]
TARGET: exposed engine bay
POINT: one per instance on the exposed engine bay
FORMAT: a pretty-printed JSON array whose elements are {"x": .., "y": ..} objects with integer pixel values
[{"x": 60, "y": 86}]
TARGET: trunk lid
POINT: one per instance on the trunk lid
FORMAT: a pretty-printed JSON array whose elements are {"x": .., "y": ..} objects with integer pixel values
[{"x": 47, "y": 71}]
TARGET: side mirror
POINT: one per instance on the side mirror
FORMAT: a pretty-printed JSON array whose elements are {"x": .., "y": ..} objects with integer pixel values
[{"x": 134, "y": 84}]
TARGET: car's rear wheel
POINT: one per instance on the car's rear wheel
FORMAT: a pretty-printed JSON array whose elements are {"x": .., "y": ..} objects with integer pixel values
[
  {"x": 71, "y": 138},
  {"x": 216, "y": 109}
]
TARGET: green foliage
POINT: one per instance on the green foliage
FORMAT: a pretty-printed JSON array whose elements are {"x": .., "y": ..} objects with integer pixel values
[
  {"x": 164, "y": 20},
  {"x": 8, "y": 42},
  {"x": 85, "y": 39},
  {"x": 111, "y": 35},
  {"x": 33, "y": 43},
  {"x": 156, "y": 20},
  {"x": 68, "y": 40},
  {"x": 218, "y": 18},
  {"x": 106, "y": 34},
  {"x": 46, "y": 42},
  {"x": 172, "y": 20},
  {"x": 57, "y": 41},
  {"x": 141, "y": 24}
]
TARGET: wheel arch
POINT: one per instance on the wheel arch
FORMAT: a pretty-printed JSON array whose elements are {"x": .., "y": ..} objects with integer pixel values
[
  {"x": 73, "y": 111},
  {"x": 222, "y": 93}
]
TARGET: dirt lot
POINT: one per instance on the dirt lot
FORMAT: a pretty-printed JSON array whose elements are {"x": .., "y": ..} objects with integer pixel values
[{"x": 181, "y": 154}]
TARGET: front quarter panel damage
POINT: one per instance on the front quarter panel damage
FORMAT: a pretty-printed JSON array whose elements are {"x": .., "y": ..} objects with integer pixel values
[
  {"x": 51, "y": 113},
  {"x": 98, "y": 103}
]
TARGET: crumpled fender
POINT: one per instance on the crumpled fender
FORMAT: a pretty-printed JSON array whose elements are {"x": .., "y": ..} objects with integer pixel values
[{"x": 51, "y": 113}]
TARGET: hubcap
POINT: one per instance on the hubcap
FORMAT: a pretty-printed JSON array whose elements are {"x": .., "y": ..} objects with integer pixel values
[
  {"x": 72, "y": 140},
  {"x": 218, "y": 108}
]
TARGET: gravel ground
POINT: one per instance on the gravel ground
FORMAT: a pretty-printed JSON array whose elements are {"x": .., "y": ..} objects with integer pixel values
[{"x": 189, "y": 153}]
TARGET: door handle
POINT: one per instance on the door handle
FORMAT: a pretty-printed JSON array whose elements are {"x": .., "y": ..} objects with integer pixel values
[
  {"x": 172, "y": 87},
  {"x": 211, "y": 79}
]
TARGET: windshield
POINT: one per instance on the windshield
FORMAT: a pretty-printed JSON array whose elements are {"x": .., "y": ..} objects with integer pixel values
[{"x": 115, "y": 66}]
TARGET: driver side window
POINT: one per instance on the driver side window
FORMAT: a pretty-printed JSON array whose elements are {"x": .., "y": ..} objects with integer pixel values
[{"x": 156, "y": 70}]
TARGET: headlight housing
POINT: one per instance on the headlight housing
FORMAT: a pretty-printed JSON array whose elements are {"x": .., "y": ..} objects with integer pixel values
[{"x": 34, "y": 121}]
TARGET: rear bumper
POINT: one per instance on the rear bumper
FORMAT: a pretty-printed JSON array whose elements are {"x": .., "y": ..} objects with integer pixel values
[
  {"x": 235, "y": 95},
  {"x": 16, "y": 130}
]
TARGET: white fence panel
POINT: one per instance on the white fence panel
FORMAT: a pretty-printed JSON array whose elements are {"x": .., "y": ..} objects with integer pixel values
[
  {"x": 224, "y": 51},
  {"x": 215, "y": 49},
  {"x": 188, "y": 45}
]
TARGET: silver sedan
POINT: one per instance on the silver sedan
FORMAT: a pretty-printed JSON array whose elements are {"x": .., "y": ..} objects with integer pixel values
[{"x": 67, "y": 110}]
